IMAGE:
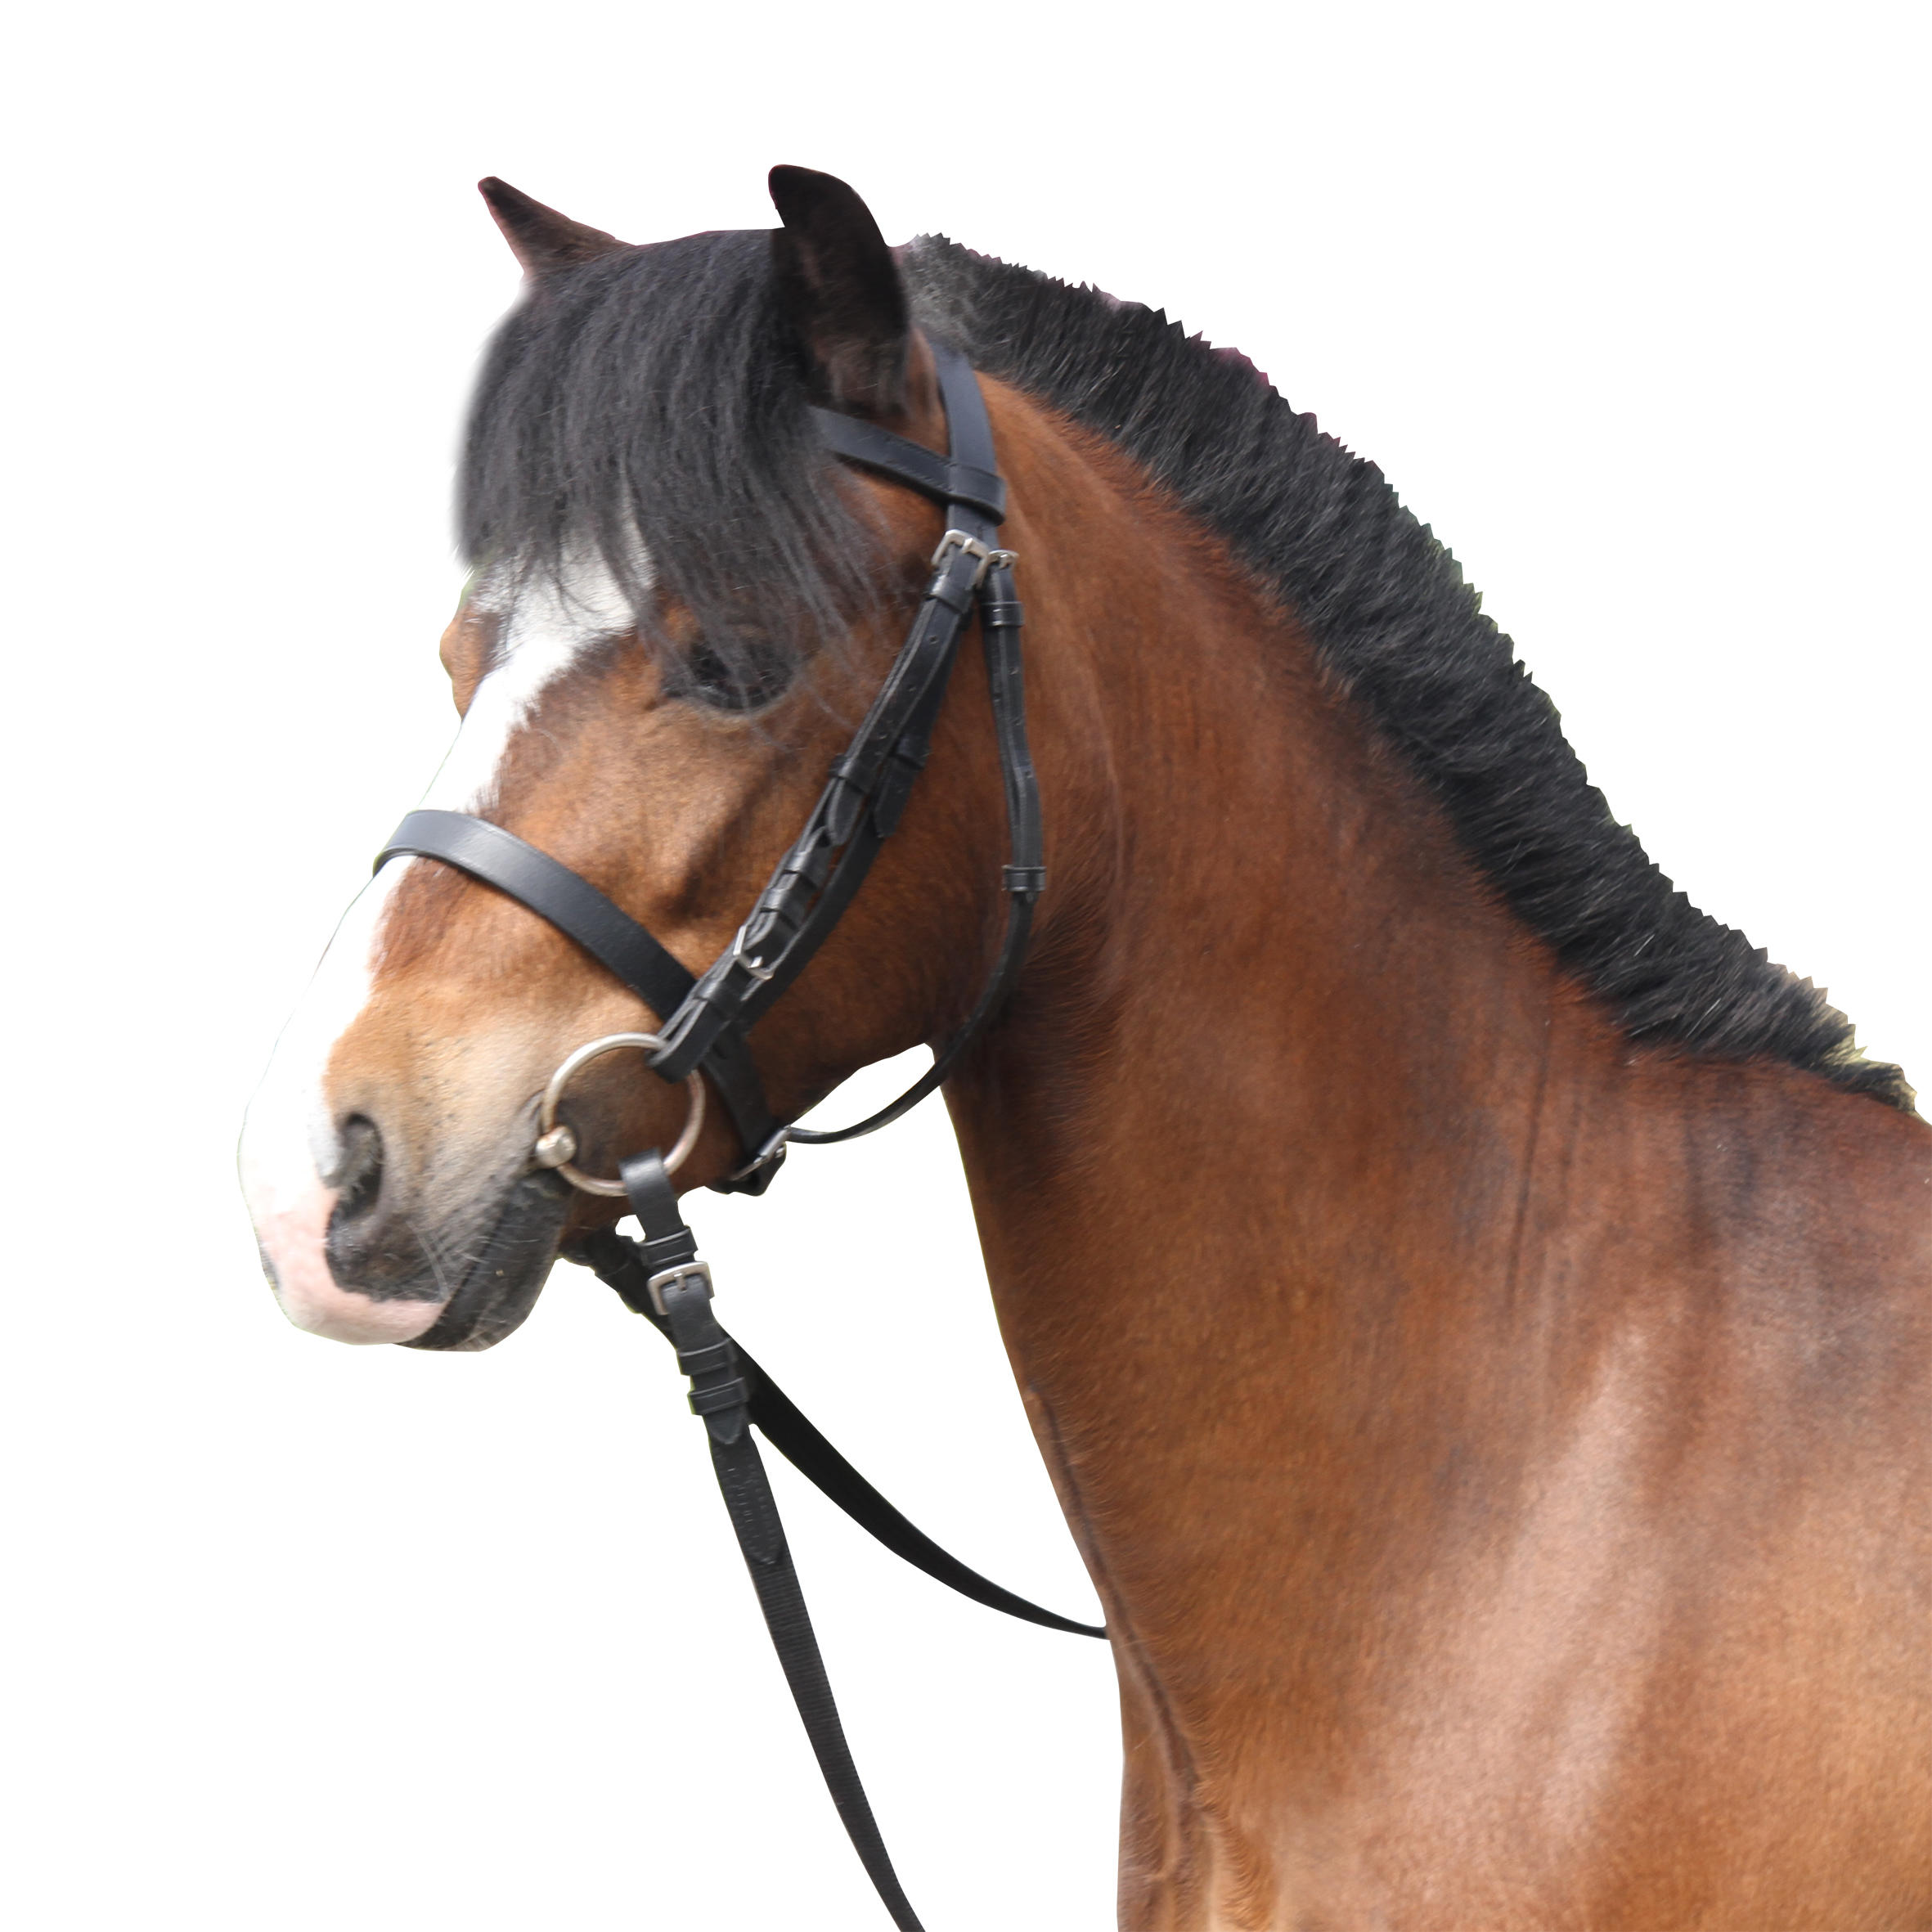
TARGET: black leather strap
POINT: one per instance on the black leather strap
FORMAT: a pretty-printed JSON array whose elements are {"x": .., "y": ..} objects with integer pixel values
[
  {"x": 721, "y": 1399},
  {"x": 704, "y": 1021},
  {"x": 620, "y": 1264},
  {"x": 1023, "y": 877},
  {"x": 966, "y": 479},
  {"x": 969, "y": 432},
  {"x": 552, "y": 890},
  {"x": 1000, "y": 618},
  {"x": 609, "y": 935},
  {"x": 817, "y": 878},
  {"x": 861, "y": 806},
  {"x": 918, "y": 468}
]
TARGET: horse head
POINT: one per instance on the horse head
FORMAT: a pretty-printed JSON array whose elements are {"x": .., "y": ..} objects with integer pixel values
[{"x": 679, "y": 605}]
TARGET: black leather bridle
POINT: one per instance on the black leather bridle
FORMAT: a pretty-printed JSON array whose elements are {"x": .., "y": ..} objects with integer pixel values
[{"x": 705, "y": 1020}]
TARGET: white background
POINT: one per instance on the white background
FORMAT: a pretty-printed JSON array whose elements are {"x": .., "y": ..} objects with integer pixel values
[{"x": 1629, "y": 304}]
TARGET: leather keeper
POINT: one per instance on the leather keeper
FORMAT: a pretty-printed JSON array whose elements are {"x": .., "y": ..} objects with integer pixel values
[
  {"x": 730, "y": 1394},
  {"x": 668, "y": 1251}
]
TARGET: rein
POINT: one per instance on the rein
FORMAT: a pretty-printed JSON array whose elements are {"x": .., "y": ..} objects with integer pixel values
[{"x": 707, "y": 1018}]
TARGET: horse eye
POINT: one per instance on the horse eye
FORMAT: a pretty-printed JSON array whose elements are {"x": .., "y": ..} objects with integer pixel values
[{"x": 742, "y": 676}]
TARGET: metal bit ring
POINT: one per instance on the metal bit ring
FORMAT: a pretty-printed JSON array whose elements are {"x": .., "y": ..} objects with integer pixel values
[{"x": 556, "y": 1145}]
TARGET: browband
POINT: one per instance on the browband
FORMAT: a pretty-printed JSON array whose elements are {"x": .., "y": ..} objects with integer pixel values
[{"x": 939, "y": 477}]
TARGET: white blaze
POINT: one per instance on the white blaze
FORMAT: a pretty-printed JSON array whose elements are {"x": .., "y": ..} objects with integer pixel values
[{"x": 289, "y": 1148}]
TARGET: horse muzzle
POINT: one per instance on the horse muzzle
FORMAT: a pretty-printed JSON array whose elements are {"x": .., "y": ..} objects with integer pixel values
[{"x": 357, "y": 1261}]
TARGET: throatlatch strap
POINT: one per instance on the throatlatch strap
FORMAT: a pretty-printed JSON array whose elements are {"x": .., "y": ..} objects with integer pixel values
[{"x": 721, "y": 1400}]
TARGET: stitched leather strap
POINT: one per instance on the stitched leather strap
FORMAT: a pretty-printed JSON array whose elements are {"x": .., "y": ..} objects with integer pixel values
[
  {"x": 1023, "y": 877},
  {"x": 620, "y": 1264},
  {"x": 721, "y": 1400},
  {"x": 859, "y": 809}
]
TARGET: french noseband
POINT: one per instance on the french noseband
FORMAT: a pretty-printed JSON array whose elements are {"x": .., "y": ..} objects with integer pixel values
[{"x": 702, "y": 1036}]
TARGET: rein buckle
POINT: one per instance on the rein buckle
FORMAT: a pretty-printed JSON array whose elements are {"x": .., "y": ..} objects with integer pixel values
[
  {"x": 670, "y": 1277},
  {"x": 756, "y": 968},
  {"x": 768, "y": 1159}
]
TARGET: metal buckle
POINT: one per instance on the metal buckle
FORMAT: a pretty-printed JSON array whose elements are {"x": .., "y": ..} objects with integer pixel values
[
  {"x": 773, "y": 1151},
  {"x": 756, "y": 967},
  {"x": 684, "y": 1271},
  {"x": 958, "y": 540}
]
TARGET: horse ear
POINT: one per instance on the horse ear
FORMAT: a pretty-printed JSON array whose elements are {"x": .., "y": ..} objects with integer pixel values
[
  {"x": 539, "y": 237},
  {"x": 838, "y": 281}
]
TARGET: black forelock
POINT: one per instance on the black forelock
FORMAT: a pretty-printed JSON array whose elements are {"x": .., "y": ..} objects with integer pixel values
[
  {"x": 655, "y": 397},
  {"x": 656, "y": 393}
]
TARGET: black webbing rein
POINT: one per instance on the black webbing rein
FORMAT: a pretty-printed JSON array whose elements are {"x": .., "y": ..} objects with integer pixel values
[{"x": 705, "y": 1020}]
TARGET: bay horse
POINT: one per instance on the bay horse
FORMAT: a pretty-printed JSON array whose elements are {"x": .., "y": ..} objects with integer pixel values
[{"x": 1474, "y": 1307}]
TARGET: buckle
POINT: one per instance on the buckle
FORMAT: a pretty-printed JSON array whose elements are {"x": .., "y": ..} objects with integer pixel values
[
  {"x": 667, "y": 1277},
  {"x": 756, "y": 968},
  {"x": 769, "y": 1155},
  {"x": 987, "y": 556}
]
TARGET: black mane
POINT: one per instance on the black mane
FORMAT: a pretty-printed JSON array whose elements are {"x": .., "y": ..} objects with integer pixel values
[{"x": 655, "y": 393}]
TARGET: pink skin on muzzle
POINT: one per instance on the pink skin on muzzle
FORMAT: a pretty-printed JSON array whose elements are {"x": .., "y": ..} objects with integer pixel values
[{"x": 298, "y": 1265}]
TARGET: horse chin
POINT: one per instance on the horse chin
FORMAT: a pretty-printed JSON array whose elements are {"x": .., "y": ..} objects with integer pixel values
[{"x": 512, "y": 1261}]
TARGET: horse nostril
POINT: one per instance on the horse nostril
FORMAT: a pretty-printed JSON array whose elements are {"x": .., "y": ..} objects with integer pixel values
[{"x": 359, "y": 1177}]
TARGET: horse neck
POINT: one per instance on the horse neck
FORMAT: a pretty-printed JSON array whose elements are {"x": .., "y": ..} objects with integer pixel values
[
  {"x": 1265, "y": 1110},
  {"x": 1265, "y": 971},
  {"x": 1375, "y": 1300}
]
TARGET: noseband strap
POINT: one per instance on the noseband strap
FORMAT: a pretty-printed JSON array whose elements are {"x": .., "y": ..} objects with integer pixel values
[{"x": 604, "y": 930}]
